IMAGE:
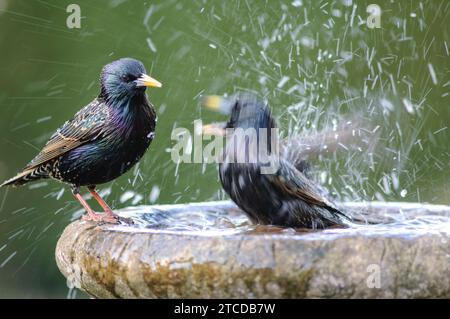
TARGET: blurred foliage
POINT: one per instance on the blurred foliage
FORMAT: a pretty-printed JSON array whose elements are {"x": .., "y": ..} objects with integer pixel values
[{"x": 315, "y": 61}]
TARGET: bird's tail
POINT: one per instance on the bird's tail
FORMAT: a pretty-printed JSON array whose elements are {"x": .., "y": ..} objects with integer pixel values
[{"x": 26, "y": 176}]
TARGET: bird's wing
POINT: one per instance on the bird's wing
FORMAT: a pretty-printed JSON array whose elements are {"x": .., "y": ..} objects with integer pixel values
[
  {"x": 87, "y": 125},
  {"x": 294, "y": 183},
  {"x": 350, "y": 133}
]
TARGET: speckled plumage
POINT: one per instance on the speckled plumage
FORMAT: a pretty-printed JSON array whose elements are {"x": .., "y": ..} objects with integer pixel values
[
  {"x": 286, "y": 197},
  {"x": 104, "y": 139}
]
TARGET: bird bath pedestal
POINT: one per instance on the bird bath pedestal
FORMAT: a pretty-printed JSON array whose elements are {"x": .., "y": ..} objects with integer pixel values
[{"x": 208, "y": 250}]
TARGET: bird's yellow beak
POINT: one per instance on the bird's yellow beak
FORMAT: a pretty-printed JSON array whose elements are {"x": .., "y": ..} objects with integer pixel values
[
  {"x": 216, "y": 129},
  {"x": 217, "y": 103},
  {"x": 146, "y": 80},
  {"x": 212, "y": 102}
]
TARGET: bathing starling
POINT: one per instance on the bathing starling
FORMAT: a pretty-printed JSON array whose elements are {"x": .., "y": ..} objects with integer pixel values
[
  {"x": 269, "y": 184},
  {"x": 103, "y": 140}
]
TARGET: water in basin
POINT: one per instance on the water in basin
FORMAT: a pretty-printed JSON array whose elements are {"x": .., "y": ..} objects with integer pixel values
[{"x": 224, "y": 219}]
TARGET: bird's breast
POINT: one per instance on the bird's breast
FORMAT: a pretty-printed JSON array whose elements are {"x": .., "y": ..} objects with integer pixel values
[{"x": 124, "y": 141}]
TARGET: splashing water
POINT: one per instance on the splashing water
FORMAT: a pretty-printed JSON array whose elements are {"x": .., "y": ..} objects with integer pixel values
[{"x": 223, "y": 218}]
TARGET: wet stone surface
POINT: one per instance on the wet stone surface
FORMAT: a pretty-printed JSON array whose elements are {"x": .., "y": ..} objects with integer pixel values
[{"x": 209, "y": 250}]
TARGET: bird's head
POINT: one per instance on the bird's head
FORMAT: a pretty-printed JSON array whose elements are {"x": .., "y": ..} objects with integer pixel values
[
  {"x": 125, "y": 78},
  {"x": 246, "y": 110}
]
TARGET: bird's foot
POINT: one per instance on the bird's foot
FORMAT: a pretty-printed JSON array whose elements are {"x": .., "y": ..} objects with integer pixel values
[{"x": 110, "y": 218}]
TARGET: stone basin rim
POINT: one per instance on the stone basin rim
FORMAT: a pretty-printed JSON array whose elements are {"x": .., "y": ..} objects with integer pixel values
[
  {"x": 349, "y": 204},
  {"x": 139, "y": 263}
]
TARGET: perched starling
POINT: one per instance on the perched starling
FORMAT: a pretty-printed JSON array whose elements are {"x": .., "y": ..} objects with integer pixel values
[
  {"x": 103, "y": 140},
  {"x": 284, "y": 196}
]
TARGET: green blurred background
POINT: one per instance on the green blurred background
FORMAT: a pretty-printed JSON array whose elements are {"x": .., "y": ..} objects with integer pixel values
[{"x": 315, "y": 61}]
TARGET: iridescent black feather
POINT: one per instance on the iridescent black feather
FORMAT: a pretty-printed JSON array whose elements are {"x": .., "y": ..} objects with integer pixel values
[
  {"x": 286, "y": 197},
  {"x": 104, "y": 139}
]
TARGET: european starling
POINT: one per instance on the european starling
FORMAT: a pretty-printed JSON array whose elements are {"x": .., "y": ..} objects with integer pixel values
[
  {"x": 284, "y": 196},
  {"x": 103, "y": 140}
]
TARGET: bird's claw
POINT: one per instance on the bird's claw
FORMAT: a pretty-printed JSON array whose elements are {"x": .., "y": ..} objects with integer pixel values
[{"x": 104, "y": 218}]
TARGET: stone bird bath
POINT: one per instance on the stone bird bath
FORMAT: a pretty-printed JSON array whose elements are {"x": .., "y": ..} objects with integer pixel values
[{"x": 209, "y": 250}]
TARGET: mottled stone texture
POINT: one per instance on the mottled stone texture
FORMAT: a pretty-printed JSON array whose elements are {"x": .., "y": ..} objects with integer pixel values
[{"x": 114, "y": 262}]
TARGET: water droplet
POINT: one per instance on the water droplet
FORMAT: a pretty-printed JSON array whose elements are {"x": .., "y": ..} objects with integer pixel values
[
  {"x": 154, "y": 193},
  {"x": 126, "y": 196}
]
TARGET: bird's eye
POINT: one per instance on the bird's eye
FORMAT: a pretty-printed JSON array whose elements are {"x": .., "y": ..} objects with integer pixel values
[{"x": 127, "y": 78}]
